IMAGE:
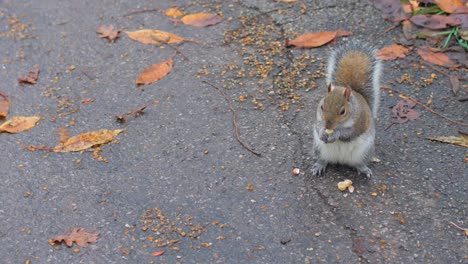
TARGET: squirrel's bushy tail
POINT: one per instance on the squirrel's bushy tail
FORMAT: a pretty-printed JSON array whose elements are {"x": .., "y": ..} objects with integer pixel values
[{"x": 357, "y": 66}]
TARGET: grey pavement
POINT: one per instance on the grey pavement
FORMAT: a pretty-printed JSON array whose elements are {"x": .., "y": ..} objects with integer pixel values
[{"x": 182, "y": 157}]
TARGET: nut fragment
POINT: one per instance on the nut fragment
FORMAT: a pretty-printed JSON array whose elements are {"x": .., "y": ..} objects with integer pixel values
[
  {"x": 329, "y": 131},
  {"x": 343, "y": 185},
  {"x": 296, "y": 171}
]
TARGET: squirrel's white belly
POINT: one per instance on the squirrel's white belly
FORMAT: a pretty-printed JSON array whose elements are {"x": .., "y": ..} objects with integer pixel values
[{"x": 350, "y": 153}]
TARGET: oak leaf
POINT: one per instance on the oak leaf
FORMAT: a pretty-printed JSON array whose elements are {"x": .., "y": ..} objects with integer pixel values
[
  {"x": 201, "y": 19},
  {"x": 153, "y": 36},
  {"x": 108, "y": 32},
  {"x": 436, "y": 57},
  {"x": 79, "y": 236},
  {"x": 19, "y": 124},
  {"x": 392, "y": 52},
  {"x": 312, "y": 39},
  {"x": 32, "y": 76},
  {"x": 173, "y": 12},
  {"x": 87, "y": 140},
  {"x": 460, "y": 141},
  {"x": 449, "y": 6},
  {"x": 4, "y": 105},
  {"x": 155, "y": 72}
]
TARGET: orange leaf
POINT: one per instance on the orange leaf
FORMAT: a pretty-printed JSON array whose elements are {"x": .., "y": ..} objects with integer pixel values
[
  {"x": 153, "y": 36},
  {"x": 80, "y": 236},
  {"x": 19, "y": 124},
  {"x": 201, "y": 19},
  {"x": 393, "y": 52},
  {"x": 312, "y": 39},
  {"x": 4, "y": 105},
  {"x": 158, "y": 253},
  {"x": 449, "y": 6},
  {"x": 155, "y": 72},
  {"x": 87, "y": 140},
  {"x": 173, "y": 12},
  {"x": 436, "y": 58}
]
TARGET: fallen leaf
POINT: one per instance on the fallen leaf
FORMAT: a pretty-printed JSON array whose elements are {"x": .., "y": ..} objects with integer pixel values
[
  {"x": 391, "y": 9},
  {"x": 32, "y": 76},
  {"x": 108, "y": 32},
  {"x": 19, "y": 124},
  {"x": 87, "y": 140},
  {"x": 403, "y": 112},
  {"x": 4, "y": 105},
  {"x": 201, "y": 19},
  {"x": 437, "y": 58},
  {"x": 158, "y": 253},
  {"x": 460, "y": 141},
  {"x": 155, "y": 72},
  {"x": 311, "y": 39},
  {"x": 87, "y": 100},
  {"x": 408, "y": 30},
  {"x": 173, "y": 12},
  {"x": 392, "y": 52},
  {"x": 462, "y": 20},
  {"x": 63, "y": 134},
  {"x": 455, "y": 82},
  {"x": 449, "y": 6},
  {"x": 153, "y": 36},
  {"x": 80, "y": 236},
  {"x": 434, "y": 21}
]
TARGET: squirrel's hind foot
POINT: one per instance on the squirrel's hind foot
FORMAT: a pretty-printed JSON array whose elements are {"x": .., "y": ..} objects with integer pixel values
[
  {"x": 364, "y": 170},
  {"x": 319, "y": 168}
]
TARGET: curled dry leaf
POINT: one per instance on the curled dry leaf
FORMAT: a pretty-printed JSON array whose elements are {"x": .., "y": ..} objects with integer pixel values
[
  {"x": 449, "y": 6},
  {"x": 32, "y": 76},
  {"x": 153, "y": 36},
  {"x": 201, "y": 19},
  {"x": 434, "y": 21},
  {"x": 173, "y": 12},
  {"x": 460, "y": 141},
  {"x": 4, "y": 105},
  {"x": 403, "y": 112},
  {"x": 79, "y": 236},
  {"x": 312, "y": 39},
  {"x": 393, "y": 52},
  {"x": 155, "y": 72},
  {"x": 19, "y": 124},
  {"x": 455, "y": 82},
  {"x": 108, "y": 32},
  {"x": 87, "y": 140},
  {"x": 437, "y": 58}
]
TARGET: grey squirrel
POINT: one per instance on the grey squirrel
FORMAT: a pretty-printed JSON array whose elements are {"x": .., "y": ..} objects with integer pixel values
[{"x": 345, "y": 131}]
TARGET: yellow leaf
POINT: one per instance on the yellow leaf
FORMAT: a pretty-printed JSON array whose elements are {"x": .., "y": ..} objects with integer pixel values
[
  {"x": 153, "y": 36},
  {"x": 460, "y": 141},
  {"x": 201, "y": 19},
  {"x": 19, "y": 124},
  {"x": 87, "y": 140},
  {"x": 173, "y": 12}
]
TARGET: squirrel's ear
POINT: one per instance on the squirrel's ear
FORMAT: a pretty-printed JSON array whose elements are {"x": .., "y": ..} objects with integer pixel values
[
  {"x": 347, "y": 93},
  {"x": 329, "y": 87}
]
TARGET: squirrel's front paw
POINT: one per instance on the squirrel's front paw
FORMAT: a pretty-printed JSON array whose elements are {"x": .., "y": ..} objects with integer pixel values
[{"x": 328, "y": 138}]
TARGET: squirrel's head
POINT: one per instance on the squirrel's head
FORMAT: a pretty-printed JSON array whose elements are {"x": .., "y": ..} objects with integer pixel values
[{"x": 336, "y": 107}]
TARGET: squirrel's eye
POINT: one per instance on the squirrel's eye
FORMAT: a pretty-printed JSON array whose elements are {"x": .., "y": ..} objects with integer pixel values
[
  {"x": 343, "y": 111},
  {"x": 321, "y": 107}
]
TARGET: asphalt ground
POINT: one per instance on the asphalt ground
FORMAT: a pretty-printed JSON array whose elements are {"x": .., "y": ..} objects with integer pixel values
[{"x": 178, "y": 180}]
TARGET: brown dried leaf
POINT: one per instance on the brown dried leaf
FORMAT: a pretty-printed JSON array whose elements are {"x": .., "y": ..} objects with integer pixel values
[
  {"x": 19, "y": 124},
  {"x": 158, "y": 253},
  {"x": 455, "y": 82},
  {"x": 153, "y": 36},
  {"x": 393, "y": 52},
  {"x": 408, "y": 30},
  {"x": 402, "y": 112},
  {"x": 449, "y": 6},
  {"x": 155, "y": 72},
  {"x": 87, "y": 140},
  {"x": 434, "y": 21},
  {"x": 201, "y": 19},
  {"x": 32, "y": 76},
  {"x": 459, "y": 141},
  {"x": 173, "y": 12},
  {"x": 312, "y": 39},
  {"x": 80, "y": 236},
  {"x": 436, "y": 57},
  {"x": 108, "y": 32},
  {"x": 4, "y": 105},
  {"x": 391, "y": 9}
]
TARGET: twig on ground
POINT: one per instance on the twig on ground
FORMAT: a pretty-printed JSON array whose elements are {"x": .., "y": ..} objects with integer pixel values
[
  {"x": 134, "y": 12},
  {"x": 461, "y": 228},
  {"x": 234, "y": 118},
  {"x": 424, "y": 106}
]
